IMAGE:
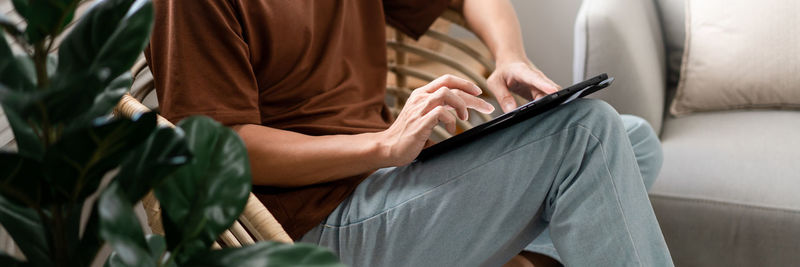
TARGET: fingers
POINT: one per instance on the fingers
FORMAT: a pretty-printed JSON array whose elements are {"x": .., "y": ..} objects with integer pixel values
[
  {"x": 453, "y": 82},
  {"x": 445, "y": 97},
  {"x": 458, "y": 100},
  {"x": 440, "y": 114},
  {"x": 503, "y": 95},
  {"x": 475, "y": 102}
]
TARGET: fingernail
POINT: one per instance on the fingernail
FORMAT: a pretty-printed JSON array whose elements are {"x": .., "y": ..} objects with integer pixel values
[{"x": 509, "y": 106}]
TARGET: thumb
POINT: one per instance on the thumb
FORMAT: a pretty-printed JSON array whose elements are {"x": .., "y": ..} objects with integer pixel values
[{"x": 502, "y": 94}]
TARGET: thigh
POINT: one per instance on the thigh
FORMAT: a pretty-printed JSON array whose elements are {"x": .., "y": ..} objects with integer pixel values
[
  {"x": 541, "y": 136},
  {"x": 460, "y": 207},
  {"x": 447, "y": 215}
]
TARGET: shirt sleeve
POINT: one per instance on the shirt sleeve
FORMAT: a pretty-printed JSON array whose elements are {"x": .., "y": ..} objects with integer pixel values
[
  {"x": 201, "y": 62},
  {"x": 413, "y": 17}
]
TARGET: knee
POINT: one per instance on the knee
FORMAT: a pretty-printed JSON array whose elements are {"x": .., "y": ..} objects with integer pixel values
[
  {"x": 637, "y": 128},
  {"x": 594, "y": 113},
  {"x": 646, "y": 147}
]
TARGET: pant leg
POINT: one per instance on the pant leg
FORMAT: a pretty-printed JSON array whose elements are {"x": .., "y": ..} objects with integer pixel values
[
  {"x": 646, "y": 149},
  {"x": 573, "y": 167}
]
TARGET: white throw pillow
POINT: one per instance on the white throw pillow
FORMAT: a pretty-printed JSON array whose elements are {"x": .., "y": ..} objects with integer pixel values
[{"x": 740, "y": 54}]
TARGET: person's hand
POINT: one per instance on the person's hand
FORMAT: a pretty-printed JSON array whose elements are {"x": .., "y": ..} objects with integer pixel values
[
  {"x": 520, "y": 77},
  {"x": 424, "y": 109}
]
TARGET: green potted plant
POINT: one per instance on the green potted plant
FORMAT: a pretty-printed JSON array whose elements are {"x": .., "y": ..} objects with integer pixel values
[{"x": 70, "y": 149}]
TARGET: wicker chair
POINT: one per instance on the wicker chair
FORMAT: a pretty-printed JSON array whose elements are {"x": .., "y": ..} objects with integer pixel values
[{"x": 256, "y": 223}]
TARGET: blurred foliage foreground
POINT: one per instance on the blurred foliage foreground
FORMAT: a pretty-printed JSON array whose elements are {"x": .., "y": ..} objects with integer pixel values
[{"x": 70, "y": 148}]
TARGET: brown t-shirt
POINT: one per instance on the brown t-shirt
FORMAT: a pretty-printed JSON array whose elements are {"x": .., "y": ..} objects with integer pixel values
[{"x": 312, "y": 67}]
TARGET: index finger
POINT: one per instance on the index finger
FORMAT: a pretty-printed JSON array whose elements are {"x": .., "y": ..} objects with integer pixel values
[
  {"x": 453, "y": 82},
  {"x": 475, "y": 102}
]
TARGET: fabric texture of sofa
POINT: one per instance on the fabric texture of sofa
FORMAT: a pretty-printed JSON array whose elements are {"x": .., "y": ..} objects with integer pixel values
[{"x": 728, "y": 192}]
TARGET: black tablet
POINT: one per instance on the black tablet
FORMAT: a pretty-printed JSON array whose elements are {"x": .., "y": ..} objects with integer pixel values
[{"x": 522, "y": 113}]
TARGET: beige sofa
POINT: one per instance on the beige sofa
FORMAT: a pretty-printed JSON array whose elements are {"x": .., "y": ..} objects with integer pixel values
[{"x": 729, "y": 190}]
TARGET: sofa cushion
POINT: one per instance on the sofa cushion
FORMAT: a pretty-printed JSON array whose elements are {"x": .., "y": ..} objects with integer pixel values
[
  {"x": 728, "y": 190},
  {"x": 740, "y": 54},
  {"x": 673, "y": 23}
]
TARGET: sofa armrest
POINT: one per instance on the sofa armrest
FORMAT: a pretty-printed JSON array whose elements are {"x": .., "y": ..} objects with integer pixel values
[{"x": 624, "y": 39}]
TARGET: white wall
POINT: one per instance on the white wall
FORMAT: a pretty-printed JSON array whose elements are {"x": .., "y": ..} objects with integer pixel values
[{"x": 547, "y": 28}]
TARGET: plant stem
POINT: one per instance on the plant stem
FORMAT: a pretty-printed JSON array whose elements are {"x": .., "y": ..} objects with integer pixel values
[
  {"x": 59, "y": 242},
  {"x": 40, "y": 63},
  {"x": 42, "y": 83}
]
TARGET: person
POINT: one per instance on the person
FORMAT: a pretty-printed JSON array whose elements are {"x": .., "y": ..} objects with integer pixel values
[{"x": 303, "y": 82}]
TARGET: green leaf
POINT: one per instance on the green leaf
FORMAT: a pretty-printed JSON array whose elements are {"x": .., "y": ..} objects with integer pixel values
[
  {"x": 15, "y": 80},
  {"x": 121, "y": 229},
  {"x": 25, "y": 227},
  {"x": 27, "y": 68},
  {"x": 114, "y": 260},
  {"x": 103, "y": 103},
  {"x": 204, "y": 197},
  {"x": 103, "y": 45},
  {"x": 158, "y": 249},
  {"x": 151, "y": 162},
  {"x": 45, "y": 17},
  {"x": 28, "y": 143},
  {"x": 52, "y": 63},
  {"x": 157, "y": 245},
  {"x": 20, "y": 179},
  {"x": 67, "y": 101},
  {"x": 125, "y": 45},
  {"x": 105, "y": 42},
  {"x": 142, "y": 170},
  {"x": 13, "y": 71},
  {"x": 268, "y": 254},
  {"x": 87, "y": 78},
  {"x": 77, "y": 162}
]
